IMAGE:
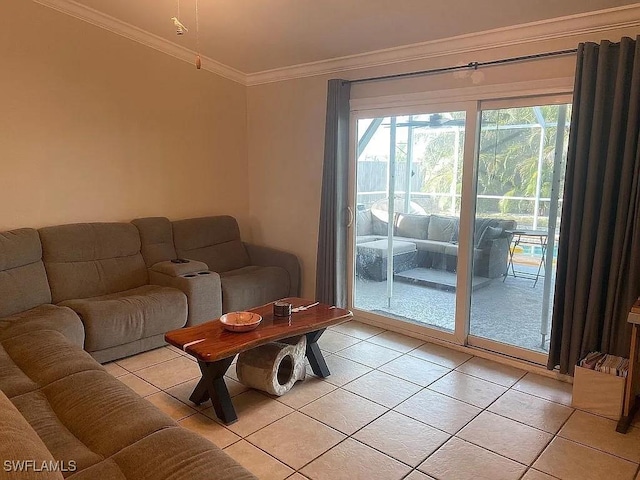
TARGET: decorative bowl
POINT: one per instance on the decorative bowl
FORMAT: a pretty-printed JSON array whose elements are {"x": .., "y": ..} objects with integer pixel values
[{"x": 240, "y": 321}]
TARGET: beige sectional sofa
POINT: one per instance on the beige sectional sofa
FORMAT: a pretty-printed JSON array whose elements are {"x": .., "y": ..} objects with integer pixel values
[{"x": 112, "y": 289}]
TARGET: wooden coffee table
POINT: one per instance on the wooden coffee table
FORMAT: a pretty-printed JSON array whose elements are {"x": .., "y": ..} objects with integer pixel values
[{"x": 215, "y": 348}]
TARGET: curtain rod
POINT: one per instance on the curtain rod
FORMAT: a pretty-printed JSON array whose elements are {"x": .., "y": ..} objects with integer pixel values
[{"x": 471, "y": 65}]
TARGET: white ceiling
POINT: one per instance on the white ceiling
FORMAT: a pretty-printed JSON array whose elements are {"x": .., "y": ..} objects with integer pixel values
[{"x": 259, "y": 35}]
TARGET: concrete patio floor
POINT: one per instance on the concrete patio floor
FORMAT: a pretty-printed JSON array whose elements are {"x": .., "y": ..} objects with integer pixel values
[{"x": 508, "y": 312}]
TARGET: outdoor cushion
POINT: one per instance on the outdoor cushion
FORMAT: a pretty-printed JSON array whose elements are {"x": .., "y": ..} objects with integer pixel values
[
  {"x": 44, "y": 317},
  {"x": 364, "y": 222},
  {"x": 442, "y": 229},
  {"x": 380, "y": 248},
  {"x": 212, "y": 240},
  {"x": 123, "y": 317},
  {"x": 452, "y": 249},
  {"x": 23, "y": 280},
  {"x": 92, "y": 259},
  {"x": 490, "y": 233},
  {"x": 368, "y": 238},
  {"x": 432, "y": 246},
  {"x": 412, "y": 226},
  {"x": 251, "y": 286},
  {"x": 380, "y": 222}
]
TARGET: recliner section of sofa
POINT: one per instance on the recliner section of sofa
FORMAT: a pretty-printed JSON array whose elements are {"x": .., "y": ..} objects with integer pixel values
[
  {"x": 200, "y": 285},
  {"x": 25, "y": 296},
  {"x": 98, "y": 271},
  {"x": 249, "y": 275},
  {"x": 246, "y": 282}
]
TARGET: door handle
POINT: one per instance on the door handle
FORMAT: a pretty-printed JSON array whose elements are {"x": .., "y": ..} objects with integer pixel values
[{"x": 350, "y": 212}]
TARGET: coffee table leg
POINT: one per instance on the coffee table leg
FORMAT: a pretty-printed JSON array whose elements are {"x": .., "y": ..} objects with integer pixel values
[
  {"x": 212, "y": 386},
  {"x": 318, "y": 364}
]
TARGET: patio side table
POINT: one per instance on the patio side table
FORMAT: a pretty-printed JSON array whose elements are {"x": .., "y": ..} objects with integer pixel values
[{"x": 536, "y": 238}]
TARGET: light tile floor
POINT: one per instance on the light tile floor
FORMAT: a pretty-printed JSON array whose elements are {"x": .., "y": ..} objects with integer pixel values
[{"x": 396, "y": 408}]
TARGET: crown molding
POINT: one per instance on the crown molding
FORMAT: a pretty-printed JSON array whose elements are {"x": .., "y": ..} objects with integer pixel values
[
  {"x": 555, "y": 28},
  {"x": 139, "y": 35}
]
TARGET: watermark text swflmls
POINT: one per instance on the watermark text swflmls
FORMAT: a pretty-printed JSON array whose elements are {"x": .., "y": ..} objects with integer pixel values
[{"x": 39, "y": 466}]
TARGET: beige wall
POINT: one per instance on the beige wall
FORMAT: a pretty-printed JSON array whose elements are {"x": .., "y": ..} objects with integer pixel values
[
  {"x": 95, "y": 127},
  {"x": 286, "y": 135}
]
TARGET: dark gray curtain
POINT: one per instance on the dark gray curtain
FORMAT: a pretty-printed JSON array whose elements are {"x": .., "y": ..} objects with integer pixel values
[
  {"x": 598, "y": 274},
  {"x": 331, "y": 268}
]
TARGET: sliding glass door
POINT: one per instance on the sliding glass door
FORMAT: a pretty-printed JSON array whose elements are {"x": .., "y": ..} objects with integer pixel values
[
  {"x": 521, "y": 164},
  {"x": 456, "y": 217},
  {"x": 408, "y": 180}
]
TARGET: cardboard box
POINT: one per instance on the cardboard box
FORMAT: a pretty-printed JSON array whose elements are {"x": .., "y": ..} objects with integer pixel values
[{"x": 599, "y": 393}]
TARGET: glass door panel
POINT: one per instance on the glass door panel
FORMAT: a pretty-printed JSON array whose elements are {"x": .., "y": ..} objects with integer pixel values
[
  {"x": 521, "y": 163},
  {"x": 408, "y": 187}
]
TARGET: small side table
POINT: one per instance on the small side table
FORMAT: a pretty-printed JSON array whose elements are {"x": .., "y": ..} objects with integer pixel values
[
  {"x": 630, "y": 405},
  {"x": 527, "y": 237}
]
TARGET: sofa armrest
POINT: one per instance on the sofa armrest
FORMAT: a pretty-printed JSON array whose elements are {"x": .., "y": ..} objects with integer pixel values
[
  {"x": 202, "y": 288},
  {"x": 498, "y": 256},
  {"x": 270, "y": 257},
  {"x": 176, "y": 269}
]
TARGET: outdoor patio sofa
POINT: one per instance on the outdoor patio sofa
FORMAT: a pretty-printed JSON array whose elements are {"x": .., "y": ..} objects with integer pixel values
[
  {"x": 429, "y": 241},
  {"x": 62, "y": 415}
]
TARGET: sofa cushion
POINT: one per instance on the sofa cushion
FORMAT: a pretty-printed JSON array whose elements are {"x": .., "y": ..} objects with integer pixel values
[
  {"x": 36, "y": 359},
  {"x": 92, "y": 259},
  {"x": 380, "y": 248},
  {"x": 123, "y": 317},
  {"x": 20, "y": 442},
  {"x": 432, "y": 246},
  {"x": 171, "y": 453},
  {"x": 88, "y": 404},
  {"x": 60, "y": 441},
  {"x": 212, "y": 240},
  {"x": 156, "y": 237},
  {"x": 364, "y": 222},
  {"x": 23, "y": 280},
  {"x": 44, "y": 317},
  {"x": 252, "y": 286},
  {"x": 368, "y": 238},
  {"x": 442, "y": 229},
  {"x": 380, "y": 222},
  {"x": 489, "y": 234},
  {"x": 412, "y": 226}
]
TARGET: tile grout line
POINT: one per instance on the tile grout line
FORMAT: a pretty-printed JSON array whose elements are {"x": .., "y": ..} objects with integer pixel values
[{"x": 387, "y": 409}]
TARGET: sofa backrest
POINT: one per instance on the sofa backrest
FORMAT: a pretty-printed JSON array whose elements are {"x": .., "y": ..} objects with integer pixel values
[
  {"x": 412, "y": 225},
  {"x": 442, "y": 228},
  {"x": 488, "y": 229},
  {"x": 92, "y": 259},
  {"x": 156, "y": 236},
  {"x": 23, "y": 280},
  {"x": 212, "y": 240}
]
